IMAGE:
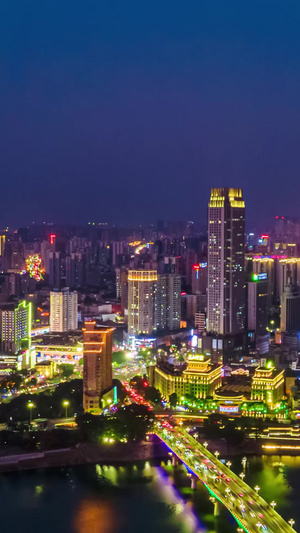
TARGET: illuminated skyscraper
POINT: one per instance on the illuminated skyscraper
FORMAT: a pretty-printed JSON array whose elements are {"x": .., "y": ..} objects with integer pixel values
[
  {"x": 97, "y": 364},
  {"x": 226, "y": 245},
  {"x": 63, "y": 310}
]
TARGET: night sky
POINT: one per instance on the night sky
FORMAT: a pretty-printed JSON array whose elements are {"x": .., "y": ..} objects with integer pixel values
[{"x": 130, "y": 111}]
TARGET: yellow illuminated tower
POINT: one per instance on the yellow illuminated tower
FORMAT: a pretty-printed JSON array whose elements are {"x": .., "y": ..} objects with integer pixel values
[
  {"x": 142, "y": 286},
  {"x": 226, "y": 248},
  {"x": 97, "y": 364}
]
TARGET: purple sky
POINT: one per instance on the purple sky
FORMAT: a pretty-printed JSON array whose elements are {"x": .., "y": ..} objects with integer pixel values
[{"x": 131, "y": 111}]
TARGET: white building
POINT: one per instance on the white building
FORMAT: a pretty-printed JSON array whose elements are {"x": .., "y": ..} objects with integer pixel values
[
  {"x": 63, "y": 310},
  {"x": 154, "y": 302}
]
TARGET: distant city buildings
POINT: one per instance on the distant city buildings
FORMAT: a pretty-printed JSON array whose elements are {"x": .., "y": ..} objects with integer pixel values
[{"x": 63, "y": 310}]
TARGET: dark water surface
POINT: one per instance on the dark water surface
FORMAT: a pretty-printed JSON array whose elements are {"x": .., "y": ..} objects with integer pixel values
[{"x": 134, "y": 498}]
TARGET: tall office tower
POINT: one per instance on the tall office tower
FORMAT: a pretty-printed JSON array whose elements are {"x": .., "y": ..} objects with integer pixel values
[
  {"x": 142, "y": 285},
  {"x": 54, "y": 269},
  {"x": 63, "y": 310},
  {"x": 257, "y": 303},
  {"x": 226, "y": 243},
  {"x": 290, "y": 308},
  {"x": 97, "y": 364},
  {"x": 76, "y": 271},
  {"x": 16, "y": 324},
  {"x": 257, "y": 311}
]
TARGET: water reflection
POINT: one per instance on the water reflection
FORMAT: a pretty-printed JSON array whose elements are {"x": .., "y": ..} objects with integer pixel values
[
  {"x": 138, "y": 497},
  {"x": 95, "y": 516}
]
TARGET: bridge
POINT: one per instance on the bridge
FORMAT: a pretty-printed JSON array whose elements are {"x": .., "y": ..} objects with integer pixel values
[{"x": 252, "y": 513}]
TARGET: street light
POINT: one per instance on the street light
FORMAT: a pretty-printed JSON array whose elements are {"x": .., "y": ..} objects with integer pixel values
[
  {"x": 291, "y": 522},
  {"x": 66, "y": 404},
  {"x": 242, "y": 475},
  {"x": 273, "y": 504},
  {"x": 205, "y": 444},
  {"x": 228, "y": 464},
  {"x": 256, "y": 488},
  {"x": 30, "y": 406},
  {"x": 217, "y": 454}
]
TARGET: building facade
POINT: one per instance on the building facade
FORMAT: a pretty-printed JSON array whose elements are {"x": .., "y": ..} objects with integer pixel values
[
  {"x": 97, "y": 364},
  {"x": 268, "y": 385}
]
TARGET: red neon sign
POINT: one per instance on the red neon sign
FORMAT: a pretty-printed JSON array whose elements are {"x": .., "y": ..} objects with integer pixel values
[{"x": 52, "y": 238}]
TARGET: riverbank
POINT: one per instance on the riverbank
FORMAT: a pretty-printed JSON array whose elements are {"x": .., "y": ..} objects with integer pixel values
[{"x": 84, "y": 454}]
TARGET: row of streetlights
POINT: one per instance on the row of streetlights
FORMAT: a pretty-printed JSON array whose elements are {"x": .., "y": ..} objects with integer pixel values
[{"x": 31, "y": 405}]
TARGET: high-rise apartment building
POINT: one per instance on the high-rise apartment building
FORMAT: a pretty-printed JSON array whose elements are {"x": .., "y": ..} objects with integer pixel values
[
  {"x": 226, "y": 244},
  {"x": 142, "y": 285},
  {"x": 76, "y": 270},
  {"x": 154, "y": 302},
  {"x": 63, "y": 310},
  {"x": 97, "y": 364},
  {"x": 16, "y": 324}
]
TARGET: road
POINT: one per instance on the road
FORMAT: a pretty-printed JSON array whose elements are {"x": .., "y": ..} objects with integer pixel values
[{"x": 250, "y": 510}]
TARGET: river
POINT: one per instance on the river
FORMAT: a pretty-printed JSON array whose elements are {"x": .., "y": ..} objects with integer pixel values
[{"x": 135, "y": 498}]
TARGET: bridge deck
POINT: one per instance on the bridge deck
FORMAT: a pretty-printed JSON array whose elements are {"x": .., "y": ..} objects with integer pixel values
[{"x": 250, "y": 510}]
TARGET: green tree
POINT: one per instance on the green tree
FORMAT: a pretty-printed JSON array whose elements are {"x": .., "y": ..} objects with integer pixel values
[
  {"x": 66, "y": 370},
  {"x": 173, "y": 399},
  {"x": 119, "y": 357},
  {"x": 152, "y": 395}
]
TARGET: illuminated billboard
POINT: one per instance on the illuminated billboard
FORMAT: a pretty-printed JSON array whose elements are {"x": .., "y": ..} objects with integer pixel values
[
  {"x": 260, "y": 277},
  {"x": 229, "y": 409}
]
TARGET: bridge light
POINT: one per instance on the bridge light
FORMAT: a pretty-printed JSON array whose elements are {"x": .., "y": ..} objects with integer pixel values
[
  {"x": 228, "y": 464},
  {"x": 273, "y": 504},
  {"x": 242, "y": 475},
  {"x": 291, "y": 522},
  {"x": 256, "y": 488},
  {"x": 205, "y": 444},
  {"x": 217, "y": 454}
]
